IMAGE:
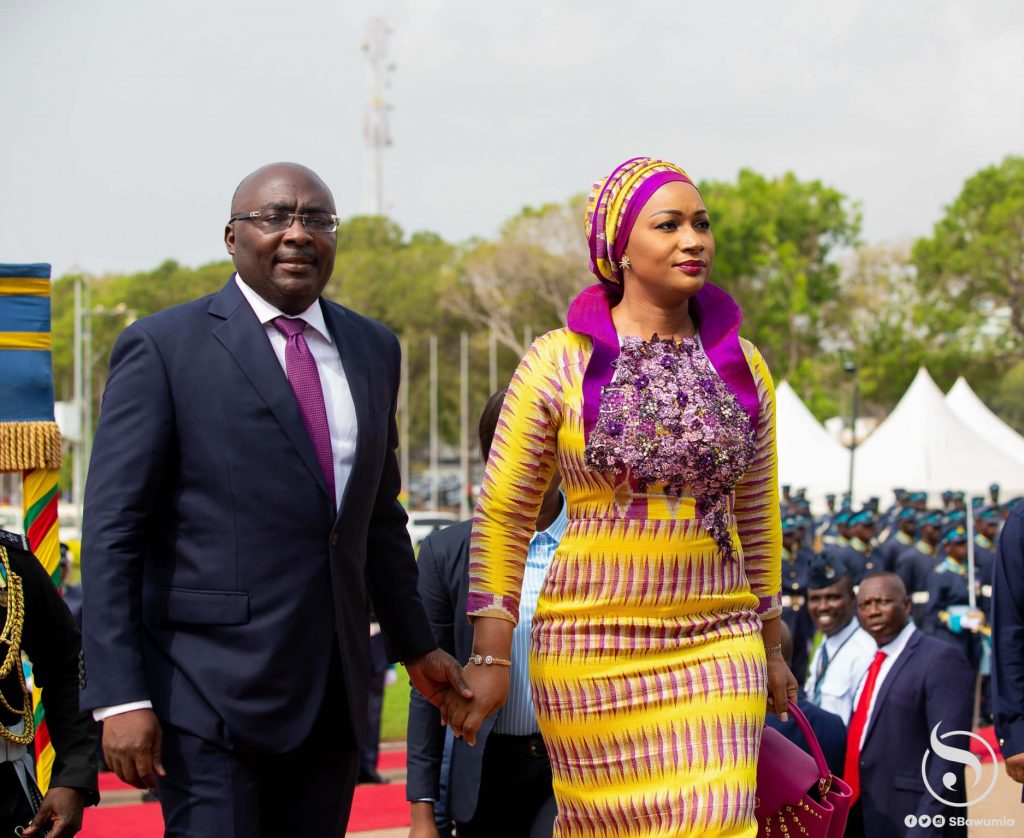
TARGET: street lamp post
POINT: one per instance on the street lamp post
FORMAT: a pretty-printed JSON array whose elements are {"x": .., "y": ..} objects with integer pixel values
[{"x": 851, "y": 368}]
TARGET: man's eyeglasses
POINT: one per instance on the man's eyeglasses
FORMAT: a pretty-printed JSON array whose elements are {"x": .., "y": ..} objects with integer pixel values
[{"x": 275, "y": 221}]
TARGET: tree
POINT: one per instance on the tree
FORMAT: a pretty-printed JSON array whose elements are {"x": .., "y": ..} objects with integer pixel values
[
  {"x": 776, "y": 239},
  {"x": 970, "y": 272},
  {"x": 522, "y": 284}
]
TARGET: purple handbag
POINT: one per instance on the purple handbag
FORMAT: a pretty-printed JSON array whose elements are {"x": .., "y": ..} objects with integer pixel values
[{"x": 796, "y": 792}]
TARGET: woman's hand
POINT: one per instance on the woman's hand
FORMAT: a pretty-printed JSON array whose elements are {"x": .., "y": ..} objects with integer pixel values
[
  {"x": 782, "y": 687},
  {"x": 489, "y": 684}
]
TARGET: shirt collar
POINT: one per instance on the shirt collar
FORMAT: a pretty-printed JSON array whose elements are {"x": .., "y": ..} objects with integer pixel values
[
  {"x": 841, "y": 636},
  {"x": 557, "y": 528},
  {"x": 265, "y": 312},
  {"x": 899, "y": 642}
]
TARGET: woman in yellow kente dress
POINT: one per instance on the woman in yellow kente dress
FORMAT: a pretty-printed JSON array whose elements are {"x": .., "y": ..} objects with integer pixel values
[{"x": 655, "y": 641}]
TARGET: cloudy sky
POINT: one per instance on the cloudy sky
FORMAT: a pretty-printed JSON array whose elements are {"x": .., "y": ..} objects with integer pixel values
[{"x": 125, "y": 125}]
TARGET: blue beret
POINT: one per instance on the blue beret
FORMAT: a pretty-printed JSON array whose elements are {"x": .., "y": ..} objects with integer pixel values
[
  {"x": 931, "y": 519},
  {"x": 865, "y": 516},
  {"x": 955, "y": 534}
]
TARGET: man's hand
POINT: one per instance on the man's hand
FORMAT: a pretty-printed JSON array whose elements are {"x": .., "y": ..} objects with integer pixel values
[
  {"x": 434, "y": 673},
  {"x": 421, "y": 816},
  {"x": 59, "y": 815},
  {"x": 1015, "y": 767},
  {"x": 490, "y": 688},
  {"x": 131, "y": 747}
]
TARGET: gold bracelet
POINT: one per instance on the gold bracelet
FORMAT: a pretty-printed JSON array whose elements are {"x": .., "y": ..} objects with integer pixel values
[
  {"x": 489, "y": 660},
  {"x": 775, "y": 650}
]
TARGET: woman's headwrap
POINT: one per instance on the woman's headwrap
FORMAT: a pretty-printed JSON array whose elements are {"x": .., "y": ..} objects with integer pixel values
[{"x": 614, "y": 205}]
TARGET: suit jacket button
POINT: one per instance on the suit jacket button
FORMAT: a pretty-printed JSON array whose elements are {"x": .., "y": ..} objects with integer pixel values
[{"x": 334, "y": 540}]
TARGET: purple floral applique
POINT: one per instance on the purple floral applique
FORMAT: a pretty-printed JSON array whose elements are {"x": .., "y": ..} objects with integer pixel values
[{"x": 668, "y": 418}]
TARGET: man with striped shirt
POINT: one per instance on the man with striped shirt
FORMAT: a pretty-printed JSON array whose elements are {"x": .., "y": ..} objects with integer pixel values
[{"x": 502, "y": 785}]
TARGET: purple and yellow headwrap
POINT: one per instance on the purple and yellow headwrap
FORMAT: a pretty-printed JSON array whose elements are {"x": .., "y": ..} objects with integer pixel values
[{"x": 614, "y": 205}]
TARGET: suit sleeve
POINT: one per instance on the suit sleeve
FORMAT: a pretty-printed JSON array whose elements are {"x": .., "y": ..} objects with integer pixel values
[
  {"x": 1008, "y": 635},
  {"x": 131, "y": 456},
  {"x": 425, "y": 736},
  {"x": 518, "y": 471},
  {"x": 391, "y": 577},
  {"x": 756, "y": 508},
  {"x": 52, "y": 642},
  {"x": 949, "y": 703}
]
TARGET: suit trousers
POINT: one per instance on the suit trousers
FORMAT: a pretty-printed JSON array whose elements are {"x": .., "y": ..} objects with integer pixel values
[
  {"x": 213, "y": 792},
  {"x": 515, "y": 799}
]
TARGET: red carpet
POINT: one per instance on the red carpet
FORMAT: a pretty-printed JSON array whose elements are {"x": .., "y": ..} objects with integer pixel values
[{"x": 374, "y": 807}]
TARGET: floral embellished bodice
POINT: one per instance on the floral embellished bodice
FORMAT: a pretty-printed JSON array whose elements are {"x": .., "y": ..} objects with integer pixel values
[{"x": 667, "y": 419}]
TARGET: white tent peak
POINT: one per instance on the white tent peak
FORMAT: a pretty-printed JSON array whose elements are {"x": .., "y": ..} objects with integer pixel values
[
  {"x": 809, "y": 457},
  {"x": 966, "y": 404},
  {"x": 924, "y": 445}
]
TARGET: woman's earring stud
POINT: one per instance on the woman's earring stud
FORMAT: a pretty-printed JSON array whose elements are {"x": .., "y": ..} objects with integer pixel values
[{"x": 625, "y": 263}]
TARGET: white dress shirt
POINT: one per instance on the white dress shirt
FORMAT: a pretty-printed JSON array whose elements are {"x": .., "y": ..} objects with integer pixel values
[
  {"x": 341, "y": 411},
  {"x": 850, "y": 651},
  {"x": 893, "y": 649}
]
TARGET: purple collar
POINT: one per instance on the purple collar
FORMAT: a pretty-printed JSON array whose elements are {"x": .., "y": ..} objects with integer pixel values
[{"x": 719, "y": 318}]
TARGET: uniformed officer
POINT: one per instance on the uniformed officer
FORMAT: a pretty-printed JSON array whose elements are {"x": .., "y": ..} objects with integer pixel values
[
  {"x": 845, "y": 651},
  {"x": 915, "y": 564},
  {"x": 993, "y": 494},
  {"x": 796, "y": 558},
  {"x": 860, "y": 554},
  {"x": 905, "y": 523},
  {"x": 1008, "y": 643},
  {"x": 986, "y": 529},
  {"x": 36, "y": 622},
  {"x": 918, "y": 501},
  {"x": 838, "y": 533},
  {"x": 949, "y": 615}
]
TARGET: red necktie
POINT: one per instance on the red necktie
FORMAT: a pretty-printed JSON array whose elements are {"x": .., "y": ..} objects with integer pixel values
[
  {"x": 851, "y": 771},
  {"x": 305, "y": 380}
]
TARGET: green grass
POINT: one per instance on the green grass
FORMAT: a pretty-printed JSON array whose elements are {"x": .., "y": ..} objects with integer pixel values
[{"x": 395, "y": 715}]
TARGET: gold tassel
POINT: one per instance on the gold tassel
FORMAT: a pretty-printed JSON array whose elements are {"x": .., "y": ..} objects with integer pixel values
[{"x": 29, "y": 445}]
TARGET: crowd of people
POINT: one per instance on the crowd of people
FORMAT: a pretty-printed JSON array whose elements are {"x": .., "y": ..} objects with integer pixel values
[{"x": 595, "y": 654}]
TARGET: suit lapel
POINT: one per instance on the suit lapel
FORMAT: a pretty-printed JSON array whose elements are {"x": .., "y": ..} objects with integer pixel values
[
  {"x": 890, "y": 679},
  {"x": 241, "y": 333}
]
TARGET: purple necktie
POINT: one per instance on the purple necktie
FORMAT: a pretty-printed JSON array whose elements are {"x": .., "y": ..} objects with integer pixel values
[{"x": 305, "y": 381}]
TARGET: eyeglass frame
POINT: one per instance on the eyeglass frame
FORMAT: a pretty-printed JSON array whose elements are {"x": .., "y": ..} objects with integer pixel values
[{"x": 302, "y": 216}]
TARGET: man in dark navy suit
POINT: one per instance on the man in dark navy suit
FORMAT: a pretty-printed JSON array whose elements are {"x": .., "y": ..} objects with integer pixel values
[
  {"x": 1008, "y": 643},
  {"x": 241, "y": 504},
  {"x": 917, "y": 689}
]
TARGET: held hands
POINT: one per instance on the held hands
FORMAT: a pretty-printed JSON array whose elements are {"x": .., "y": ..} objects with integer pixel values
[
  {"x": 131, "y": 747},
  {"x": 782, "y": 687},
  {"x": 489, "y": 686},
  {"x": 59, "y": 815},
  {"x": 437, "y": 674}
]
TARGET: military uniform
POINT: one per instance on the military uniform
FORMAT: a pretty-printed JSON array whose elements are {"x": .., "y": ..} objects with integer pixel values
[
  {"x": 794, "y": 604},
  {"x": 949, "y": 615},
  {"x": 50, "y": 638}
]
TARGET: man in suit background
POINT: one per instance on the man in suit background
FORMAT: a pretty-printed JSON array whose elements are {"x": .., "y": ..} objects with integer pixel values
[
  {"x": 1008, "y": 643},
  {"x": 241, "y": 503},
  {"x": 917, "y": 688},
  {"x": 502, "y": 785}
]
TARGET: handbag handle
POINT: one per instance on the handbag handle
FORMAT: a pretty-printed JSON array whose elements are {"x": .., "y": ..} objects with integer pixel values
[{"x": 824, "y": 772}]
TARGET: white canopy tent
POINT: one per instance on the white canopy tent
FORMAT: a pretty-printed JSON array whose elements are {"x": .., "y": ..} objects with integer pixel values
[
  {"x": 809, "y": 457},
  {"x": 924, "y": 445},
  {"x": 965, "y": 403}
]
